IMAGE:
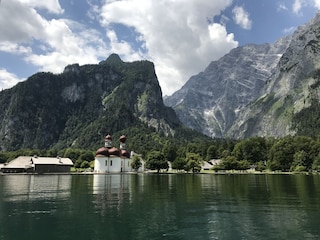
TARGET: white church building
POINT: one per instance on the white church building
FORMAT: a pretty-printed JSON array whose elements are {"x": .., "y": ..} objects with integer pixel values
[{"x": 113, "y": 160}]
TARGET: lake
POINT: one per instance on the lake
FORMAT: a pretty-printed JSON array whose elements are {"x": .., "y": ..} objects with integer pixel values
[{"x": 160, "y": 206}]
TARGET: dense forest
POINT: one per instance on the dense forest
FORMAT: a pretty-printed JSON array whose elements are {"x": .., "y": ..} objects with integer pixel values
[{"x": 288, "y": 154}]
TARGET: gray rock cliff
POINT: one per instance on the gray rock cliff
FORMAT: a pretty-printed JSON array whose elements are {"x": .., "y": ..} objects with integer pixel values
[{"x": 210, "y": 102}]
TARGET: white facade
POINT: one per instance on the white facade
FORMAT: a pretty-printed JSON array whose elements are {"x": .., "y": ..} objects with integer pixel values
[{"x": 112, "y": 164}]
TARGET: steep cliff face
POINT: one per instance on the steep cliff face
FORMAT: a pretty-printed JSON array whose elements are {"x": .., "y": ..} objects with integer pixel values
[
  {"x": 292, "y": 89},
  {"x": 78, "y": 106},
  {"x": 210, "y": 102}
]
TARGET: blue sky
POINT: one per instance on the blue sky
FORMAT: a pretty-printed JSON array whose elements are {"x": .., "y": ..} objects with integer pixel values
[{"x": 181, "y": 37}]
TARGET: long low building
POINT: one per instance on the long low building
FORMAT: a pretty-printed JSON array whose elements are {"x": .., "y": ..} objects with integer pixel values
[{"x": 28, "y": 164}]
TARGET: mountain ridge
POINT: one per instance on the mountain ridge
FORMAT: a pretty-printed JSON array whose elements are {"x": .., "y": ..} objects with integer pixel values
[
  {"x": 231, "y": 96},
  {"x": 230, "y": 84},
  {"x": 80, "y": 105}
]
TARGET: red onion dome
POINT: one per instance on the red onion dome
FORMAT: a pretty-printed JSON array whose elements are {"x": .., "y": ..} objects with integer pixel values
[
  {"x": 123, "y": 138},
  {"x": 108, "y": 137},
  {"x": 102, "y": 152},
  {"x": 125, "y": 153},
  {"x": 114, "y": 151}
]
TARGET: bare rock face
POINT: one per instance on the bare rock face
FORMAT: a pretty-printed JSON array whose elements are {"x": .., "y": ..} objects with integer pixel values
[
  {"x": 210, "y": 102},
  {"x": 256, "y": 90},
  {"x": 291, "y": 88}
]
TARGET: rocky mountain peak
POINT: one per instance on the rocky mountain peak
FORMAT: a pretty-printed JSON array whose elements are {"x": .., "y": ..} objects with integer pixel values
[
  {"x": 291, "y": 89},
  {"x": 210, "y": 101}
]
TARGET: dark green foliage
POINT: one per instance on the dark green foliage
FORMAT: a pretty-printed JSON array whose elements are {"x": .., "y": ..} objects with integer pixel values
[
  {"x": 289, "y": 152},
  {"x": 85, "y": 164},
  {"x": 156, "y": 161},
  {"x": 79, "y": 106},
  {"x": 231, "y": 163},
  {"x": 179, "y": 163},
  {"x": 260, "y": 166},
  {"x": 169, "y": 150},
  {"x": 193, "y": 162},
  {"x": 252, "y": 149},
  {"x": 212, "y": 152},
  {"x": 4, "y": 157},
  {"x": 282, "y": 152},
  {"x": 292, "y": 153},
  {"x": 136, "y": 163},
  {"x": 307, "y": 121}
]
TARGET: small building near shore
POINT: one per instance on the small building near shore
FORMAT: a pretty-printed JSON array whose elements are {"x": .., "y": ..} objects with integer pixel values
[{"x": 27, "y": 164}]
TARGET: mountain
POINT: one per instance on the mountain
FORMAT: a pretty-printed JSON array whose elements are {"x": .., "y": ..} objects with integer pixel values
[
  {"x": 289, "y": 103},
  {"x": 210, "y": 102},
  {"x": 79, "y": 106},
  {"x": 257, "y": 90}
]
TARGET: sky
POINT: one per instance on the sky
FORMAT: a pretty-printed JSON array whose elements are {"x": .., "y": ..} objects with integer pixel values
[{"x": 181, "y": 37}]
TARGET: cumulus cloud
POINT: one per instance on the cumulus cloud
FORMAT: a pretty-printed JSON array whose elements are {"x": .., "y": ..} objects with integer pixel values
[
  {"x": 317, "y": 4},
  {"x": 241, "y": 17},
  {"x": 178, "y": 36},
  {"x": 7, "y": 80},
  {"x": 49, "y": 44},
  {"x": 297, "y": 5},
  {"x": 51, "y": 6}
]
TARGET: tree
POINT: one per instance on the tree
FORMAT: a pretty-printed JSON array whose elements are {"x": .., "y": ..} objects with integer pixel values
[
  {"x": 3, "y": 157},
  {"x": 299, "y": 160},
  {"x": 193, "y": 162},
  {"x": 156, "y": 161},
  {"x": 252, "y": 149},
  {"x": 85, "y": 164},
  {"x": 316, "y": 164},
  {"x": 78, "y": 163},
  {"x": 179, "y": 163},
  {"x": 211, "y": 152},
  {"x": 281, "y": 154},
  {"x": 136, "y": 163},
  {"x": 87, "y": 156},
  {"x": 260, "y": 166},
  {"x": 73, "y": 154},
  {"x": 229, "y": 163},
  {"x": 170, "y": 151}
]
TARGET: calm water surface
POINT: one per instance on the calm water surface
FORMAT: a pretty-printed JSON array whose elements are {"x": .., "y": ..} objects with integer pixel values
[{"x": 147, "y": 206}]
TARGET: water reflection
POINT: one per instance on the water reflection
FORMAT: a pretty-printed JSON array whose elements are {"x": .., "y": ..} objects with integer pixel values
[
  {"x": 35, "y": 187},
  {"x": 109, "y": 191},
  {"x": 157, "y": 206},
  {"x": 211, "y": 206}
]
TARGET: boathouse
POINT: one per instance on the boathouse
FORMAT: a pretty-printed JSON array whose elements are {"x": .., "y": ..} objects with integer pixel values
[{"x": 27, "y": 164}]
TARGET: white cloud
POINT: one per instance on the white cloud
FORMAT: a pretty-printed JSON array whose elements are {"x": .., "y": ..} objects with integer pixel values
[
  {"x": 241, "y": 17},
  {"x": 289, "y": 30},
  {"x": 179, "y": 36},
  {"x": 297, "y": 6},
  {"x": 52, "y": 6},
  {"x": 176, "y": 34},
  {"x": 317, "y": 4},
  {"x": 10, "y": 47},
  {"x": 7, "y": 80},
  {"x": 282, "y": 7},
  {"x": 48, "y": 44}
]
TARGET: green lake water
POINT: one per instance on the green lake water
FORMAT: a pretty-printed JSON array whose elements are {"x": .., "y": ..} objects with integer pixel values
[{"x": 165, "y": 206}]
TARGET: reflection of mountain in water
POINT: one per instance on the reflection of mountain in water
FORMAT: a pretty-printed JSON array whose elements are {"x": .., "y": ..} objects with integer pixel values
[{"x": 34, "y": 187}]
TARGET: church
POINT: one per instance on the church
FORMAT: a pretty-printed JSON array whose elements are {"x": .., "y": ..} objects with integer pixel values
[{"x": 110, "y": 159}]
